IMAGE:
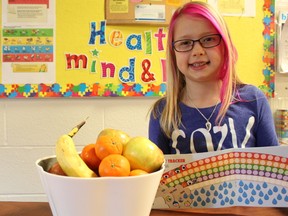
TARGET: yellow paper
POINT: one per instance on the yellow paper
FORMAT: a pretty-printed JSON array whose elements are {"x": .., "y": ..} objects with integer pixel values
[
  {"x": 119, "y": 6},
  {"x": 29, "y": 68},
  {"x": 174, "y": 2},
  {"x": 231, "y": 6}
]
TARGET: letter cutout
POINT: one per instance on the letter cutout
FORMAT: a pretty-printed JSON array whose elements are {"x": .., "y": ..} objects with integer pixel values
[
  {"x": 105, "y": 67},
  {"x": 148, "y": 42},
  {"x": 130, "y": 70},
  {"x": 76, "y": 59},
  {"x": 160, "y": 35},
  {"x": 147, "y": 76},
  {"x": 95, "y": 33},
  {"x": 137, "y": 45}
]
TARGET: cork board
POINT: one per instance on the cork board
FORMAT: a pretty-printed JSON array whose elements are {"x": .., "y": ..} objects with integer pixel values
[{"x": 144, "y": 12}]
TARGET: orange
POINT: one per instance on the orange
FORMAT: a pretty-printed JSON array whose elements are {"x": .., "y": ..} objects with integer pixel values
[
  {"x": 89, "y": 156},
  {"x": 114, "y": 165},
  {"x": 137, "y": 172},
  {"x": 106, "y": 145},
  {"x": 116, "y": 133}
]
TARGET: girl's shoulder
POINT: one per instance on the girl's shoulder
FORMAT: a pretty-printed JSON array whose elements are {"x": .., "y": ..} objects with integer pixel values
[
  {"x": 160, "y": 103},
  {"x": 158, "y": 106},
  {"x": 248, "y": 92}
]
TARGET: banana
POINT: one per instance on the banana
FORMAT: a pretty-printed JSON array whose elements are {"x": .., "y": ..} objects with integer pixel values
[{"x": 68, "y": 157}]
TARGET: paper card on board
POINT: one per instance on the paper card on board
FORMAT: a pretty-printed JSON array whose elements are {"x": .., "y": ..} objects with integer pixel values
[{"x": 149, "y": 12}]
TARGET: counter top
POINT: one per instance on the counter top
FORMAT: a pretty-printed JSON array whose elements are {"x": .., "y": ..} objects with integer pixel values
[{"x": 43, "y": 209}]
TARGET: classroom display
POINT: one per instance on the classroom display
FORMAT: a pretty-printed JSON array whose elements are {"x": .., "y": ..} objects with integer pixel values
[{"x": 49, "y": 49}]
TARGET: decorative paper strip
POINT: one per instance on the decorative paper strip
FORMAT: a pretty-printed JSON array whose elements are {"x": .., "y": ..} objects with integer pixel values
[
  {"x": 269, "y": 60},
  {"x": 81, "y": 90}
]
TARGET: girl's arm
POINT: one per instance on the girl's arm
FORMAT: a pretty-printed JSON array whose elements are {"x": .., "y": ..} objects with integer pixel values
[{"x": 266, "y": 132}]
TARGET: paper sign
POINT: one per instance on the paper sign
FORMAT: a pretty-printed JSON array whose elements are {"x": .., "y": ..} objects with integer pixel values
[
  {"x": 231, "y": 6},
  {"x": 145, "y": 12},
  {"x": 174, "y": 2},
  {"x": 246, "y": 8},
  {"x": 29, "y": 68},
  {"x": 28, "y": 13},
  {"x": 119, "y": 6},
  {"x": 232, "y": 177}
]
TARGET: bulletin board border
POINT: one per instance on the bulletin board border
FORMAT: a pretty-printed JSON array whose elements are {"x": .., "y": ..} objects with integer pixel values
[
  {"x": 81, "y": 90},
  {"x": 269, "y": 57}
]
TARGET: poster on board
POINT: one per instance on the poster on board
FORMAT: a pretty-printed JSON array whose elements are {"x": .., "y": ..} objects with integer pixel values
[{"x": 28, "y": 32}]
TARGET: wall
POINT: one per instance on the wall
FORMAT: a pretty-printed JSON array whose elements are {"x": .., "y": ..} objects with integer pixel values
[
  {"x": 280, "y": 101},
  {"x": 29, "y": 128}
]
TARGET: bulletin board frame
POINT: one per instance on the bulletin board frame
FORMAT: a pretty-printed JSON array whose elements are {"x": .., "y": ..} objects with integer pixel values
[{"x": 81, "y": 90}]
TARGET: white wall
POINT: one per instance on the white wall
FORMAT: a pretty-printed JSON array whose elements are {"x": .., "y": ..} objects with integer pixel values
[{"x": 29, "y": 129}]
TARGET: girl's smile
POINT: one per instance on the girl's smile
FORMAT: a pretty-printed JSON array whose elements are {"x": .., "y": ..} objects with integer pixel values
[{"x": 200, "y": 65}]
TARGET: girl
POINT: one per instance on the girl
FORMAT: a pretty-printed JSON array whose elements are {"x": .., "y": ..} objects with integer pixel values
[{"x": 207, "y": 107}]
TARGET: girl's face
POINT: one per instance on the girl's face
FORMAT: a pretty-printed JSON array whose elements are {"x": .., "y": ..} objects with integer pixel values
[{"x": 199, "y": 64}]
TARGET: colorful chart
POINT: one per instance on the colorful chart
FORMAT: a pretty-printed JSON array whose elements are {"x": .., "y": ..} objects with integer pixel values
[{"x": 227, "y": 179}]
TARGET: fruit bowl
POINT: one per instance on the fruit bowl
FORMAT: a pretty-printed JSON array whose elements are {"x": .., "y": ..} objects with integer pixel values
[{"x": 105, "y": 196}]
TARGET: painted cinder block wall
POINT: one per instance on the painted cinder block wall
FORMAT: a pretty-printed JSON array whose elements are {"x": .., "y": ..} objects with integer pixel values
[{"x": 29, "y": 129}]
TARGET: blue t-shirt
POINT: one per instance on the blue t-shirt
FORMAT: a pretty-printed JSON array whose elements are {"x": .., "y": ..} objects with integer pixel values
[{"x": 247, "y": 123}]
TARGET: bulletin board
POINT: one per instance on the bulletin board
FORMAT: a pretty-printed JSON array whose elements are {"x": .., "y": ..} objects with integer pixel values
[
  {"x": 88, "y": 56},
  {"x": 144, "y": 12}
]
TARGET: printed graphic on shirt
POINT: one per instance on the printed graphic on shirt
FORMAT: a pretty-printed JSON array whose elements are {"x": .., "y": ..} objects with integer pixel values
[{"x": 204, "y": 137}]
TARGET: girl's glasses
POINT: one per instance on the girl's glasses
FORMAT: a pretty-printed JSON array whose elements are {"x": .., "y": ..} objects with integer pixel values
[{"x": 186, "y": 45}]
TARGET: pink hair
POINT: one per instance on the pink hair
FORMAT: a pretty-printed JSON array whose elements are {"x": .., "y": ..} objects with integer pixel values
[
  {"x": 171, "y": 115},
  {"x": 217, "y": 21}
]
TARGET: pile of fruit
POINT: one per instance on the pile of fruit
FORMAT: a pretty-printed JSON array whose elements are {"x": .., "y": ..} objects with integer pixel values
[{"x": 114, "y": 153}]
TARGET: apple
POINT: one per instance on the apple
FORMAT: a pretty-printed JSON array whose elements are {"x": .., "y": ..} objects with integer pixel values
[
  {"x": 143, "y": 154},
  {"x": 124, "y": 137},
  {"x": 56, "y": 169}
]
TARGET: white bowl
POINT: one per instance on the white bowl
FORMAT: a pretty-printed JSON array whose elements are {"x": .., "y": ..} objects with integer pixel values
[{"x": 101, "y": 196}]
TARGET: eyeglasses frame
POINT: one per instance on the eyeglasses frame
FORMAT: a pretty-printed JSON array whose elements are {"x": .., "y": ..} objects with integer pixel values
[{"x": 194, "y": 41}]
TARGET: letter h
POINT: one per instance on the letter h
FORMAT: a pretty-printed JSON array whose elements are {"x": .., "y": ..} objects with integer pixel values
[{"x": 95, "y": 33}]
